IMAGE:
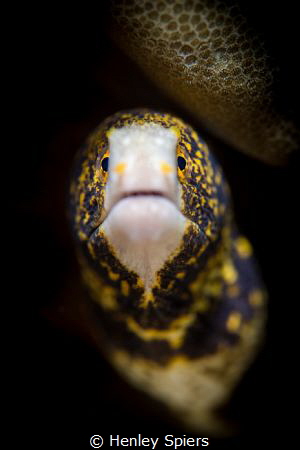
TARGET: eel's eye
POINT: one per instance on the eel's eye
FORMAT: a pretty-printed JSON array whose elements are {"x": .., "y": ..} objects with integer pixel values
[
  {"x": 104, "y": 164},
  {"x": 181, "y": 162}
]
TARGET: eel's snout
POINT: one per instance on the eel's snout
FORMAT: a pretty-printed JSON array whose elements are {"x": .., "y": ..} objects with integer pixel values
[{"x": 142, "y": 163}]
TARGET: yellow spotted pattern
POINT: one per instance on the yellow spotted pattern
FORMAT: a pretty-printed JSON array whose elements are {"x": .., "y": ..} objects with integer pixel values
[{"x": 200, "y": 313}]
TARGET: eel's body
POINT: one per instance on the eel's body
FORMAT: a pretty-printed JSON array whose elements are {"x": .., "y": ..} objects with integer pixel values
[{"x": 173, "y": 287}]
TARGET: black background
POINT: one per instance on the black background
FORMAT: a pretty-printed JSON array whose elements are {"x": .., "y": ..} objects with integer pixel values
[{"x": 70, "y": 76}]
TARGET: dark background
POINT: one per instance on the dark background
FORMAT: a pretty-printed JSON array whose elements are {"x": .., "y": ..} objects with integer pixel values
[{"x": 71, "y": 76}]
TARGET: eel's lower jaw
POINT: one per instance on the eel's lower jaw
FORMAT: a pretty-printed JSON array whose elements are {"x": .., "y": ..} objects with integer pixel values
[
  {"x": 144, "y": 230},
  {"x": 142, "y": 215}
]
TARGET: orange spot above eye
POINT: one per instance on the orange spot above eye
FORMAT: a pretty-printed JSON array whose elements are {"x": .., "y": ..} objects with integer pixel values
[
  {"x": 166, "y": 168},
  {"x": 120, "y": 168}
]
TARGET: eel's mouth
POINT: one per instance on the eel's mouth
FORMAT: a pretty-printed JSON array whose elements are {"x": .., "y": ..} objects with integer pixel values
[
  {"x": 137, "y": 194},
  {"x": 141, "y": 205},
  {"x": 142, "y": 214}
]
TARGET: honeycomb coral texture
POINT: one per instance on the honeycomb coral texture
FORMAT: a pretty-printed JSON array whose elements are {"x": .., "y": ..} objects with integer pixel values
[{"x": 204, "y": 54}]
